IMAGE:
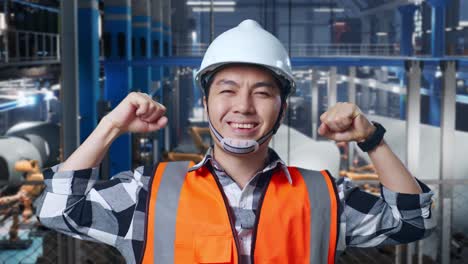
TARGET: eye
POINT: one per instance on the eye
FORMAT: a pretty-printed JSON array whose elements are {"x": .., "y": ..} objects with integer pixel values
[
  {"x": 262, "y": 93},
  {"x": 226, "y": 91}
]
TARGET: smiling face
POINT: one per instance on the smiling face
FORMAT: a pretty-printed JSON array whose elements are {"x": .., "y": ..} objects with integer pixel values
[{"x": 244, "y": 102}]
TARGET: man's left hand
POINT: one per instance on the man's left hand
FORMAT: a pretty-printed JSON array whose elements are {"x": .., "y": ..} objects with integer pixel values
[{"x": 345, "y": 122}]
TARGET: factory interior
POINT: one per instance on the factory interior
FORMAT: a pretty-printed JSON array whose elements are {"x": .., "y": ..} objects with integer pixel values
[{"x": 65, "y": 64}]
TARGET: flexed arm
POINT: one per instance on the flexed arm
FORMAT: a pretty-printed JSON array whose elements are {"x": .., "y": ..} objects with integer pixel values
[
  {"x": 345, "y": 122},
  {"x": 136, "y": 113},
  {"x": 402, "y": 213}
]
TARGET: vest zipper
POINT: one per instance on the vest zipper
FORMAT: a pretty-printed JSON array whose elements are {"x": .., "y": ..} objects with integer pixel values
[
  {"x": 257, "y": 219},
  {"x": 150, "y": 188},
  {"x": 229, "y": 212}
]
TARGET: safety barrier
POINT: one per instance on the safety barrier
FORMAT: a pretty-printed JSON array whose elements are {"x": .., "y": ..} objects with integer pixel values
[
  {"x": 311, "y": 50},
  {"x": 28, "y": 46}
]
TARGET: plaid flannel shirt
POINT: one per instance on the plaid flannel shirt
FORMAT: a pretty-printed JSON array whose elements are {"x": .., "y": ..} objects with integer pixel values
[{"x": 114, "y": 211}]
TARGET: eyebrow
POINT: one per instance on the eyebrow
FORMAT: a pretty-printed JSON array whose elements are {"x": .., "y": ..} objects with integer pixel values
[
  {"x": 228, "y": 82},
  {"x": 256, "y": 85},
  {"x": 264, "y": 84}
]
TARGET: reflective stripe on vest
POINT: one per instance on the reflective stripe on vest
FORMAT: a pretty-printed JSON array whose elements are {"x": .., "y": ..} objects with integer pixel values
[
  {"x": 319, "y": 188},
  {"x": 188, "y": 220}
]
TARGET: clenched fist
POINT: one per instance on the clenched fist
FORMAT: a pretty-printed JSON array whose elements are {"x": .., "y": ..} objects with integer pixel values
[
  {"x": 344, "y": 122},
  {"x": 137, "y": 113}
]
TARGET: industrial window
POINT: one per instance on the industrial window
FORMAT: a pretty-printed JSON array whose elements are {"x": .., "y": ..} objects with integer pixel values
[
  {"x": 107, "y": 44},
  {"x": 155, "y": 48},
  {"x": 122, "y": 47},
  {"x": 166, "y": 49},
  {"x": 143, "y": 47},
  {"x": 133, "y": 47}
]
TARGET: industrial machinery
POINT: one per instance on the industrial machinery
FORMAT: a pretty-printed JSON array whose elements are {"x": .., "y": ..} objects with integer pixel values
[{"x": 38, "y": 141}]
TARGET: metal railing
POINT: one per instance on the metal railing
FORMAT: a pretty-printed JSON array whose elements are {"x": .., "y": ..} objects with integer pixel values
[
  {"x": 28, "y": 46},
  {"x": 305, "y": 50},
  {"x": 311, "y": 50}
]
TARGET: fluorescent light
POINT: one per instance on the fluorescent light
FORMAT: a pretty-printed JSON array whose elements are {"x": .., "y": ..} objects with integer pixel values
[
  {"x": 215, "y": 9},
  {"x": 463, "y": 23},
  {"x": 448, "y": 29},
  {"x": 459, "y": 28},
  {"x": 2, "y": 21},
  {"x": 208, "y": 3},
  {"x": 194, "y": 36},
  {"x": 99, "y": 26},
  {"x": 428, "y": 32},
  {"x": 328, "y": 10},
  {"x": 381, "y": 34},
  {"x": 24, "y": 100},
  {"x": 396, "y": 89}
]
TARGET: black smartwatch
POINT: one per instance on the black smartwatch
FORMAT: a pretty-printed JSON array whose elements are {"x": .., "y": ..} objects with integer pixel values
[{"x": 373, "y": 141}]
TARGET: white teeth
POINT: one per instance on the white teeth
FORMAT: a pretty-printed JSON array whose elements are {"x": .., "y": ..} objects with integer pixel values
[{"x": 239, "y": 125}]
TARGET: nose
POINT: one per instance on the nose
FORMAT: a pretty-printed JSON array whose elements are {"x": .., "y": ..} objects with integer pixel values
[{"x": 244, "y": 103}]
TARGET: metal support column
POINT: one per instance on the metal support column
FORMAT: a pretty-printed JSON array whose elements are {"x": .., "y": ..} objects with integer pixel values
[
  {"x": 447, "y": 155},
  {"x": 407, "y": 29},
  {"x": 314, "y": 92},
  {"x": 435, "y": 84},
  {"x": 157, "y": 39},
  {"x": 332, "y": 87},
  {"x": 88, "y": 45},
  {"x": 166, "y": 52},
  {"x": 141, "y": 34},
  {"x": 118, "y": 28},
  {"x": 167, "y": 27},
  {"x": 351, "y": 99},
  {"x": 157, "y": 45},
  {"x": 5, "y": 36},
  {"x": 413, "y": 133},
  {"x": 382, "y": 95},
  {"x": 438, "y": 27},
  {"x": 70, "y": 99}
]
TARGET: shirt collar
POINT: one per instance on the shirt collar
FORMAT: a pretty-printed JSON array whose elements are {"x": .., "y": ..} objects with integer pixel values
[{"x": 273, "y": 161}]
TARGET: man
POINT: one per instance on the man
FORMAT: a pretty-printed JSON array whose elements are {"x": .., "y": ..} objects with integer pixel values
[{"x": 241, "y": 203}]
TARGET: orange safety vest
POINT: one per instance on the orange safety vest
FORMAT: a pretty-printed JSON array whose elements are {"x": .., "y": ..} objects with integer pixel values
[{"x": 189, "y": 219}]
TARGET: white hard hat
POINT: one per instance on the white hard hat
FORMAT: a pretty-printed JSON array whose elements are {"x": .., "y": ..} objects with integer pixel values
[{"x": 248, "y": 43}]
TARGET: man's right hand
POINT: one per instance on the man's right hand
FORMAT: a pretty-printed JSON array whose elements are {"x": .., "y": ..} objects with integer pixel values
[{"x": 137, "y": 113}]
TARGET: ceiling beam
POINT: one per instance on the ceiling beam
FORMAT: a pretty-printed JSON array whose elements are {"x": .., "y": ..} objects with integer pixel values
[{"x": 387, "y": 6}]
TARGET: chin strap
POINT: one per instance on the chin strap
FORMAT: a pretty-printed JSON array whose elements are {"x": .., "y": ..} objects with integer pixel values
[{"x": 244, "y": 146}]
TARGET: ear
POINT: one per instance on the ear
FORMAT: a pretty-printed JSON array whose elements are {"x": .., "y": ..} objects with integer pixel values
[
  {"x": 205, "y": 104},
  {"x": 285, "y": 107}
]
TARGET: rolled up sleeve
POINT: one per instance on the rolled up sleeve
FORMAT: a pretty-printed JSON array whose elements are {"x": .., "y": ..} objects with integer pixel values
[
  {"x": 74, "y": 203},
  {"x": 393, "y": 218}
]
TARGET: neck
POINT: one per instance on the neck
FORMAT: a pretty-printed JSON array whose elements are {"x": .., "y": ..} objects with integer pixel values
[{"x": 241, "y": 168}]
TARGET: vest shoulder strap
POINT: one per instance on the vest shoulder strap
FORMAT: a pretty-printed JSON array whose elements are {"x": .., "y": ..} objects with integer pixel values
[
  {"x": 165, "y": 189},
  {"x": 323, "y": 196}
]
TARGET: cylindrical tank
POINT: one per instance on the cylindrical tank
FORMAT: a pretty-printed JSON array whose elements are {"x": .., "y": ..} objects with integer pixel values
[
  {"x": 13, "y": 149},
  {"x": 44, "y": 136}
]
